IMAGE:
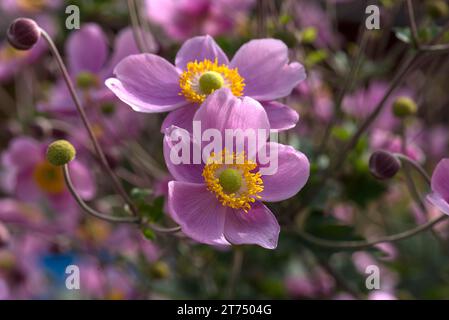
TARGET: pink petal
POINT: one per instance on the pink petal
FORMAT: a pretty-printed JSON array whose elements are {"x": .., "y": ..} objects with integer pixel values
[
  {"x": 222, "y": 110},
  {"x": 264, "y": 66},
  {"x": 125, "y": 45},
  {"x": 176, "y": 142},
  {"x": 182, "y": 118},
  {"x": 257, "y": 226},
  {"x": 147, "y": 83},
  {"x": 197, "y": 211},
  {"x": 87, "y": 49},
  {"x": 438, "y": 201},
  {"x": 200, "y": 48},
  {"x": 82, "y": 180},
  {"x": 290, "y": 176},
  {"x": 440, "y": 179},
  {"x": 281, "y": 117}
]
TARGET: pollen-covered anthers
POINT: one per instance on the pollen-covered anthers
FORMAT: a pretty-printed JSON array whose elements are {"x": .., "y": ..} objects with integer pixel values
[
  {"x": 232, "y": 179},
  {"x": 202, "y": 78}
]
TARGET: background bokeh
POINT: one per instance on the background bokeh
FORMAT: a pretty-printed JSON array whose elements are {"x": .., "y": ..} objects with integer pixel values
[{"x": 42, "y": 232}]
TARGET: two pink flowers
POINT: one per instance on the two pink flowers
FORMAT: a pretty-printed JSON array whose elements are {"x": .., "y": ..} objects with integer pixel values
[{"x": 220, "y": 202}]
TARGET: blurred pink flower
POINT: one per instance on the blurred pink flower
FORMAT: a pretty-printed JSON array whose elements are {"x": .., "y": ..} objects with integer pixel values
[
  {"x": 20, "y": 275},
  {"x": 388, "y": 278},
  {"x": 182, "y": 19},
  {"x": 317, "y": 284},
  {"x": 362, "y": 102},
  {"x": 313, "y": 91},
  {"x": 27, "y": 175},
  {"x": 384, "y": 140},
  {"x": 111, "y": 120},
  {"x": 103, "y": 281},
  {"x": 311, "y": 14}
]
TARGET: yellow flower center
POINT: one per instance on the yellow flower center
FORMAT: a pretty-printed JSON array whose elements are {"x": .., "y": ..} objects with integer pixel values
[
  {"x": 232, "y": 179},
  {"x": 202, "y": 78},
  {"x": 49, "y": 178},
  {"x": 31, "y": 5}
]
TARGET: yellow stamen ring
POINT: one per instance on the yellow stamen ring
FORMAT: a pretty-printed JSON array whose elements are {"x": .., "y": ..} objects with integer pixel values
[
  {"x": 202, "y": 78},
  {"x": 49, "y": 178},
  {"x": 232, "y": 179}
]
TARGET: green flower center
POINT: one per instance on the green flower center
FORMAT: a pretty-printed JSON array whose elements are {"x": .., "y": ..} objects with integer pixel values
[
  {"x": 210, "y": 81},
  {"x": 86, "y": 80},
  {"x": 230, "y": 180}
]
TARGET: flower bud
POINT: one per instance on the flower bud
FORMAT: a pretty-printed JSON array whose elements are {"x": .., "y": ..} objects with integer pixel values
[
  {"x": 23, "y": 33},
  {"x": 60, "y": 152},
  {"x": 160, "y": 270},
  {"x": 404, "y": 107},
  {"x": 309, "y": 35},
  {"x": 383, "y": 165}
]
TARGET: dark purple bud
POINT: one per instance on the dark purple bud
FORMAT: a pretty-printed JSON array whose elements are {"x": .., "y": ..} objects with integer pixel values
[
  {"x": 23, "y": 33},
  {"x": 384, "y": 165}
]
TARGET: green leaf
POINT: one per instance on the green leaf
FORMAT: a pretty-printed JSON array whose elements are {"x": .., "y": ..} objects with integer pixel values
[
  {"x": 404, "y": 34},
  {"x": 154, "y": 211},
  {"x": 140, "y": 194},
  {"x": 149, "y": 234}
]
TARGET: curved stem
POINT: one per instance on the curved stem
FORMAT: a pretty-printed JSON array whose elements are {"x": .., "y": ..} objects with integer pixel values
[
  {"x": 392, "y": 238},
  {"x": 80, "y": 109},
  {"x": 138, "y": 37},
  {"x": 90, "y": 210},
  {"x": 365, "y": 244},
  {"x": 415, "y": 165},
  {"x": 376, "y": 112},
  {"x": 164, "y": 230}
]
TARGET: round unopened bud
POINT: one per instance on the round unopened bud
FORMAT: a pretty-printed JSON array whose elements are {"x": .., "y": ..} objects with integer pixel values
[
  {"x": 437, "y": 8},
  {"x": 60, "y": 152},
  {"x": 160, "y": 270},
  {"x": 404, "y": 107},
  {"x": 309, "y": 35},
  {"x": 383, "y": 165},
  {"x": 4, "y": 236},
  {"x": 23, "y": 33}
]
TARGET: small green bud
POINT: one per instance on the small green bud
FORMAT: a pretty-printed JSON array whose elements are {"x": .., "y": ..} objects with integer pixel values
[
  {"x": 404, "y": 107},
  {"x": 160, "y": 270},
  {"x": 309, "y": 35},
  {"x": 60, "y": 152}
]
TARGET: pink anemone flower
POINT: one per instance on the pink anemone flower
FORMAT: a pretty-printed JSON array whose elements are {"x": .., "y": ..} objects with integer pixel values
[
  {"x": 220, "y": 202},
  {"x": 260, "y": 69}
]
